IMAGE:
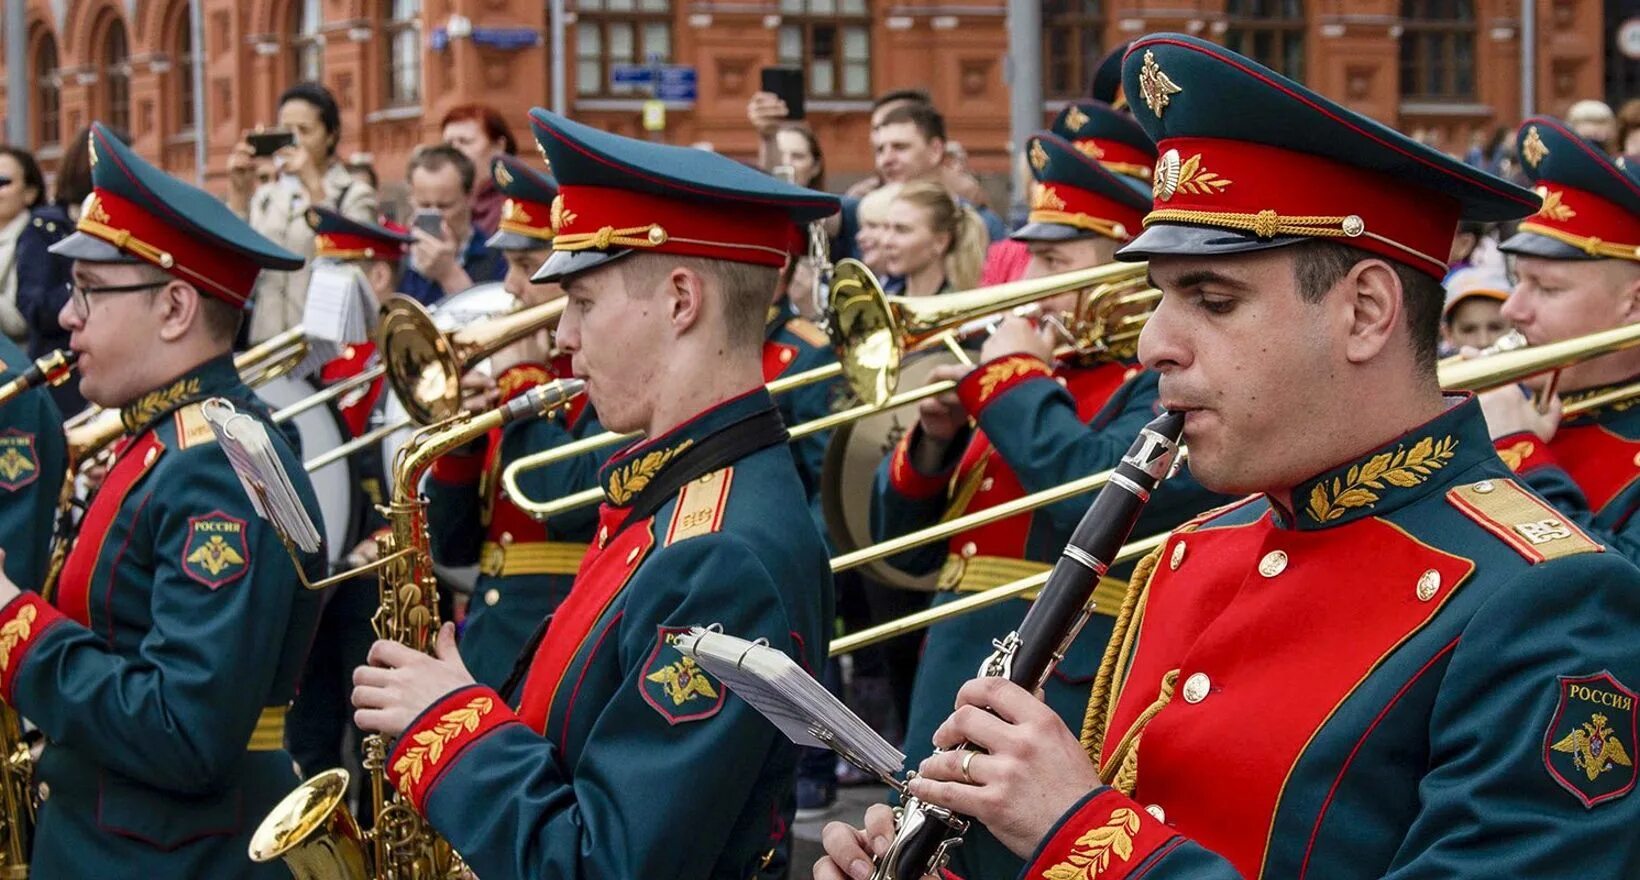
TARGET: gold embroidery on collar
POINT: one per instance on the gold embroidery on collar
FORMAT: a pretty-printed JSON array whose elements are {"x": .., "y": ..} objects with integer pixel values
[
  {"x": 429, "y": 747},
  {"x": 630, "y": 479},
  {"x": 1075, "y": 118},
  {"x": 1361, "y": 486},
  {"x": 1615, "y": 406},
  {"x": 1533, "y": 149},
  {"x": 152, "y": 404},
  {"x": 1554, "y": 207},
  {"x": 15, "y": 631},
  {"x": 1155, "y": 86},
  {"x": 1090, "y": 856}
]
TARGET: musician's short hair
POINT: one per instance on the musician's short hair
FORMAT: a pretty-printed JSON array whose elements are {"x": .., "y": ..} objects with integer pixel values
[
  {"x": 747, "y": 289},
  {"x": 1318, "y": 265}
]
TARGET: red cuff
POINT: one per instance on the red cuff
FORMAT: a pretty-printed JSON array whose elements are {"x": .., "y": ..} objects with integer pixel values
[
  {"x": 1523, "y": 452},
  {"x": 432, "y": 742},
  {"x": 991, "y": 379},
  {"x": 459, "y": 468},
  {"x": 22, "y": 621},
  {"x": 903, "y": 476},
  {"x": 1108, "y": 837},
  {"x": 519, "y": 378}
]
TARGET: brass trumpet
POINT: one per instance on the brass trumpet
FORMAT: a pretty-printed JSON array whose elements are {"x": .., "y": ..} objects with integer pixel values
[{"x": 424, "y": 364}]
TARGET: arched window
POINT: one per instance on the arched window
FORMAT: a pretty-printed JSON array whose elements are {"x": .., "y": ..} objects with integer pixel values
[
  {"x": 116, "y": 76},
  {"x": 1438, "y": 50},
  {"x": 307, "y": 42},
  {"x": 401, "y": 35},
  {"x": 48, "y": 106},
  {"x": 182, "y": 71},
  {"x": 1270, "y": 32},
  {"x": 619, "y": 32},
  {"x": 1071, "y": 47},
  {"x": 831, "y": 41}
]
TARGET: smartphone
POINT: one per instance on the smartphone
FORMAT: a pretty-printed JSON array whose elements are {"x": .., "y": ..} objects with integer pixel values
[
  {"x": 429, "y": 221},
  {"x": 787, "y": 84},
  {"x": 266, "y": 143}
]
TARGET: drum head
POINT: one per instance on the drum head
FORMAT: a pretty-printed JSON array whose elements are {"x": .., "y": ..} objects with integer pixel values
[
  {"x": 321, "y": 429},
  {"x": 850, "y": 468}
]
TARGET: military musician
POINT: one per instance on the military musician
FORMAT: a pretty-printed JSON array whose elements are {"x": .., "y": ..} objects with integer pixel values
[
  {"x": 1394, "y": 659},
  {"x": 33, "y": 464}
]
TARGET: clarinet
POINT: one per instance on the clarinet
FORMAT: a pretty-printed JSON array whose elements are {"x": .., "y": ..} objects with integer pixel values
[{"x": 925, "y": 833}]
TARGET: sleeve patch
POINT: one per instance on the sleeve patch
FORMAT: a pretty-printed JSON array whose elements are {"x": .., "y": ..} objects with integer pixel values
[
  {"x": 19, "y": 459},
  {"x": 1520, "y": 519},
  {"x": 1587, "y": 746},
  {"x": 700, "y": 506},
  {"x": 216, "y": 553},
  {"x": 674, "y": 685}
]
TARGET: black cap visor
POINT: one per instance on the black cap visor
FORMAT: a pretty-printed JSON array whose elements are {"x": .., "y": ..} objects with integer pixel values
[
  {"x": 563, "y": 264},
  {"x": 1530, "y": 244},
  {"x": 1170, "y": 239},
  {"x": 90, "y": 249}
]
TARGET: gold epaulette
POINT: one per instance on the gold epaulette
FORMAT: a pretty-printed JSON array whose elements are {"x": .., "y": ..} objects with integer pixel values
[
  {"x": 809, "y": 332},
  {"x": 1522, "y": 520},
  {"x": 192, "y": 428}
]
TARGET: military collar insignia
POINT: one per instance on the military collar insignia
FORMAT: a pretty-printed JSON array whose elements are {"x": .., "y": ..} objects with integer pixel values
[
  {"x": 630, "y": 472},
  {"x": 1587, "y": 748},
  {"x": 1395, "y": 474},
  {"x": 1533, "y": 149},
  {"x": 212, "y": 377},
  {"x": 1155, "y": 86},
  {"x": 19, "y": 459},
  {"x": 623, "y": 483}
]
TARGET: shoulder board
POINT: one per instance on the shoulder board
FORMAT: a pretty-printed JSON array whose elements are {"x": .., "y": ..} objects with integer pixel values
[
  {"x": 192, "y": 428},
  {"x": 1522, "y": 520},
  {"x": 700, "y": 506},
  {"x": 809, "y": 332}
]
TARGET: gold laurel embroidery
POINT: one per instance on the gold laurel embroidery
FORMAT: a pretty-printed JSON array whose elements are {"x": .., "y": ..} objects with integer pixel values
[
  {"x": 1533, "y": 149},
  {"x": 514, "y": 212},
  {"x": 996, "y": 374},
  {"x": 94, "y": 209},
  {"x": 155, "y": 402},
  {"x": 561, "y": 216},
  {"x": 1516, "y": 454},
  {"x": 1090, "y": 149},
  {"x": 630, "y": 479},
  {"x": 1155, "y": 86},
  {"x": 1039, "y": 156},
  {"x": 1045, "y": 199},
  {"x": 1362, "y": 484},
  {"x": 1090, "y": 855},
  {"x": 1196, "y": 180},
  {"x": 15, "y": 632},
  {"x": 430, "y": 744},
  {"x": 503, "y": 176},
  {"x": 1554, "y": 207}
]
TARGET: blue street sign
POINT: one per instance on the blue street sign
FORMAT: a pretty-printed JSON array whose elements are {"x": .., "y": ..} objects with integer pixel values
[{"x": 668, "y": 82}]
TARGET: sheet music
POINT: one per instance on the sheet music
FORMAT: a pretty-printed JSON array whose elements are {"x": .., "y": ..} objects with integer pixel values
[
  {"x": 341, "y": 308},
  {"x": 791, "y": 699},
  {"x": 256, "y": 461}
]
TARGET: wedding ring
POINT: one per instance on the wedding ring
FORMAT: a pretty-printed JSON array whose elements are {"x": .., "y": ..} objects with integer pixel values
[{"x": 968, "y": 758}]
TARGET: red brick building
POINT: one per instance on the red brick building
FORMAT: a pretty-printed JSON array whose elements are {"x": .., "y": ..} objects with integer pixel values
[{"x": 1447, "y": 66}]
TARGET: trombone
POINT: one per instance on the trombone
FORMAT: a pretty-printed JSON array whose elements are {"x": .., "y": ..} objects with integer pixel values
[
  {"x": 1481, "y": 374},
  {"x": 872, "y": 332}
]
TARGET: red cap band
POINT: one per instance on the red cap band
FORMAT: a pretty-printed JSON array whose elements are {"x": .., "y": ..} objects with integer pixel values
[
  {"x": 218, "y": 271},
  {"x": 1583, "y": 219},
  {"x": 596, "y": 217}
]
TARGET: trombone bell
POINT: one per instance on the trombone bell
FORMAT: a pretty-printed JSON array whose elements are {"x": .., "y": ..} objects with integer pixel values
[{"x": 314, "y": 832}]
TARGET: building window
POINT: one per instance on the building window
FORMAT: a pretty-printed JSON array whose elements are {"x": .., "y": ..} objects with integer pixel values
[
  {"x": 182, "y": 73},
  {"x": 1071, "y": 47},
  {"x": 1270, "y": 32},
  {"x": 1438, "y": 50},
  {"x": 609, "y": 33},
  {"x": 402, "y": 33},
  {"x": 308, "y": 44},
  {"x": 48, "y": 107},
  {"x": 116, "y": 74},
  {"x": 831, "y": 41}
]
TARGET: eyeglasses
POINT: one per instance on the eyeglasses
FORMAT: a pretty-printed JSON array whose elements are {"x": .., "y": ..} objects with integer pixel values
[{"x": 81, "y": 296}]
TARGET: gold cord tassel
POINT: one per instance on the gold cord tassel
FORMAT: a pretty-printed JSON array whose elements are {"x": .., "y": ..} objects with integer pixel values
[
  {"x": 1100, "y": 700},
  {"x": 1125, "y": 756}
]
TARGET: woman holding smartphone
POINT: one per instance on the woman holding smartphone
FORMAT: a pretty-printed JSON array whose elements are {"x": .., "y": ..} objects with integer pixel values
[{"x": 307, "y": 173}]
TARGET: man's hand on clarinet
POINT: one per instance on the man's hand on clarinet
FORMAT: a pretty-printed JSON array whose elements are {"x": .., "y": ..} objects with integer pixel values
[
  {"x": 850, "y": 851},
  {"x": 1029, "y": 770}
]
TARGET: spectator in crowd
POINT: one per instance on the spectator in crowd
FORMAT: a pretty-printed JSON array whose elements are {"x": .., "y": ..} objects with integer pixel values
[
  {"x": 24, "y": 263},
  {"x": 456, "y": 257},
  {"x": 1596, "y": 121},
  {"x": 797, "y": 148},
  {"x": 1628, "y": 120},
  {"x": 1473, "y": 313},
  {"x": 872, "y": 211},
  {"x": 308, "y": 173},
  {"x": 880, "y": 108},
  {"x": 933, "y": 244},
  {"x": 481, "y": 133},
  {"x": 910, "y": 145}
]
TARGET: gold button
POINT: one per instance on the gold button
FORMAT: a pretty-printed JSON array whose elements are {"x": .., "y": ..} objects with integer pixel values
[
  {"x": 492, "y": 596},
  {"x": 1637, "y": 459},
  {"x": 1131, "y": 372},
  {"x": 1062, "y": 382},
  {"x": 1273, "y": 563},
  {"x": 1156, "y": 812},
  {"x": 603, "y": 536},
  {"x": 153, "y": 453},
  {"x": 986, "y": 484},
  {"x": 506, "y": 539},
  {"x": 1483, "y": 487},
  {"x": 631, "y": 556},
  {"x": 969, "y": 549},
  {"x": 348, "y": 353},
  {"x": 1196, "y": 687},
  {"x": 1429, "y": 583},
  {"x": 785, "y": 355},
  {"x": 45, "y": 791},
  {"x": 1177, "y": 559}
]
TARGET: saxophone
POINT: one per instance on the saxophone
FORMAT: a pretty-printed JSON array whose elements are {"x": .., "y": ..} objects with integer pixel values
[{"x": 312, "y": 829}]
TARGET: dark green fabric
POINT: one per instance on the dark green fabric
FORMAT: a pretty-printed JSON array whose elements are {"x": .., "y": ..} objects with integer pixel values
[{"x": 33, "y": 463}]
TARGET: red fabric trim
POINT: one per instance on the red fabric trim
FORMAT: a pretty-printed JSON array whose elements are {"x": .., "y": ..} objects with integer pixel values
[
  {"x": 1585, "y": 214},
  {"x": 724, "y": 229},
  {"x": 1075, "y": 200},
  {"x": 459, "y": 468},
  {"x": 1523, "y": 452},
  {"x": 994, "y": 378},
  {"x": 1118, "y": 818},
  {"x": 777, "y": 357},
  {"x": 22, "y": 621},
  {"x": 1603, "y": 464},
  {"x": 73, "y": 594},
  {"x": 1511, "y": 537},
  {"x": 223, "y": 272},
  {"x": 435, "y": 740},
  {"x": 1109, "y": 151},
  {"x": 903, "y": 476},
  {"x": 357, "y": 245},
  {"x": 353, "y": 361},
  {"x": 575, "y": 692}
]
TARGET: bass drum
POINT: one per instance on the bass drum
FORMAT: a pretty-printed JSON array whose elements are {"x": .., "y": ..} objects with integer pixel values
[
  {"x": 476, "y": 303},
  {"x": 321, "y": 429},
  {"x": 852, "y": 457}
]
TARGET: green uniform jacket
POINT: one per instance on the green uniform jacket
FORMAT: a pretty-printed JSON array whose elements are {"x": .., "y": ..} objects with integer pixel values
[
  {"x": 1424, "y": 670},
  {"x": 160, "y": 669},
  {"x": 33, "y": 464},
  {"x": 793, "y": 345},
  {"x": 623, "y": 758},
  {"x": 1038, "y": 428}
]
